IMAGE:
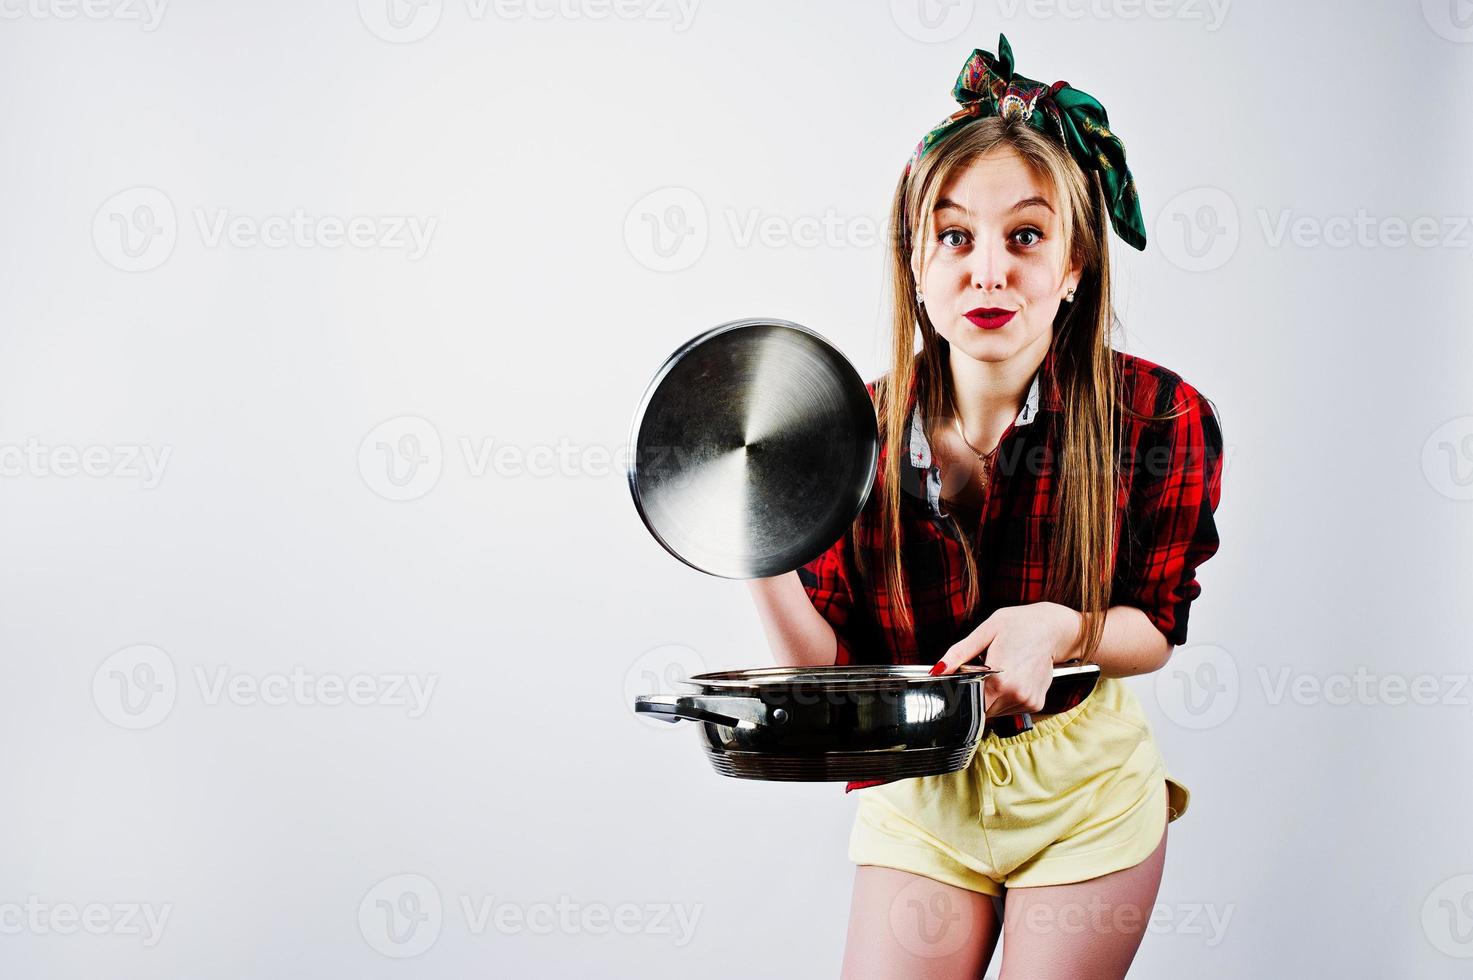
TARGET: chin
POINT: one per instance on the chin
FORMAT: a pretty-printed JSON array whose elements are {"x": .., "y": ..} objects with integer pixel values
[{"x": 991, "y": 345}]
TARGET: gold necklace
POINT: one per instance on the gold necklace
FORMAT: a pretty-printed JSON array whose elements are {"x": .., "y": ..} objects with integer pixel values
[
  {"x": 984, "y": 458},
  {"x": 980, "y": 454}
]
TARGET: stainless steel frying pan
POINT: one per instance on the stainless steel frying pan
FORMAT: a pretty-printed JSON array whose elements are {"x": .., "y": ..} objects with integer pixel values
[{"x": 753, "y": 449}]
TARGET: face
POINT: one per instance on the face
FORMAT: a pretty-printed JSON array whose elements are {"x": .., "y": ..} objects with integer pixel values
[{"x": 997, "y": 245}]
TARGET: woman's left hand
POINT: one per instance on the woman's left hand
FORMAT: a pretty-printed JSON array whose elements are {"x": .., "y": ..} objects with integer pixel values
[{"x": 1023, "y": 644}]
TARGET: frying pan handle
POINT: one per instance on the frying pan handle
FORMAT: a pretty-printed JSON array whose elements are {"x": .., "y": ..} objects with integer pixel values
[
  {"x": 717, "y": 710},
  {"x": 1068, "y": 668}
]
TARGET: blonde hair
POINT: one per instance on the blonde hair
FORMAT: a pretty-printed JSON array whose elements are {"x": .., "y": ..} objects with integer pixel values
[{"x": 1082, "y": 559}]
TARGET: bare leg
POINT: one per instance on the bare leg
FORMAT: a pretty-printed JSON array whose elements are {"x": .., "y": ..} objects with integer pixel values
[
  {"x": 908, "y": 925},
  {"x": 1085, "y": 930}
]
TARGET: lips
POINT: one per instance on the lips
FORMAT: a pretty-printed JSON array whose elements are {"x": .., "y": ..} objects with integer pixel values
[{"x": 989, "y": 318}]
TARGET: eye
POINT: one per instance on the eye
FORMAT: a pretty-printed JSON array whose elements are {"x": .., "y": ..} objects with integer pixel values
[
  {"x": 962, "y": 236},
  {"x": 1029, "y": 231}
]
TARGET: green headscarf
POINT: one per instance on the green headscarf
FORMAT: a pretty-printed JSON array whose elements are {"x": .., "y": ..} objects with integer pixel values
[{"x": 987, "y": 86}]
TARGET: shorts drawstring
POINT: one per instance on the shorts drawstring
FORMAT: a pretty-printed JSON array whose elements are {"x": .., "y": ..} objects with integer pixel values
[{"x": 999, "y": 773}]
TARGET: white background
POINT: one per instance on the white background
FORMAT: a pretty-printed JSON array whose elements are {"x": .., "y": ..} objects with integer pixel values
[{"x": 529, "y": 140}]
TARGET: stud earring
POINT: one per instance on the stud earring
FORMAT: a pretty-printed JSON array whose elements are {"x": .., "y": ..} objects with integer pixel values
[
  {"x": 1069, "y": 298},
  {"x": 920, "y": 300}
]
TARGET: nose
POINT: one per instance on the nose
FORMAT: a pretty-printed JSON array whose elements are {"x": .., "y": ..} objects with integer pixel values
[{"x": 989, "y": 266}]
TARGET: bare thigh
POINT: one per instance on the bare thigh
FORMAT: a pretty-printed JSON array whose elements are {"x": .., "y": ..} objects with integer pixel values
[
  {"x": 908, "y": 925},
  {"x": 1085, "y": 930}
]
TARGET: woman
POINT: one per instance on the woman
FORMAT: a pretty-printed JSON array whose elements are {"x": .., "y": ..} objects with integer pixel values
[{"x": 1041, "y": 499}]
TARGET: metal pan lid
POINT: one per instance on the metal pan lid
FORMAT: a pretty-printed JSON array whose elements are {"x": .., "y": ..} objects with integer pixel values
[{"x": 755, "y": 447}]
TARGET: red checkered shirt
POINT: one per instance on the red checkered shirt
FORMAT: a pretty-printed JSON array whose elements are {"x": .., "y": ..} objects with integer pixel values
[{"x": 1170, "y": 485}]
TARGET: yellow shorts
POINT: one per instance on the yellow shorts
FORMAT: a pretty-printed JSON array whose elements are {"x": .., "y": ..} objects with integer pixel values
[{"x": 1082, "y": 794}]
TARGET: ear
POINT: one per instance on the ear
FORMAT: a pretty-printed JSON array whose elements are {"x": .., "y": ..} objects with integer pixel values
[{"x": 1073, "y": 275}]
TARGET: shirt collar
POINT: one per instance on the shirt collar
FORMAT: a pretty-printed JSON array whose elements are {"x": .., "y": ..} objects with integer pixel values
[{"x": 1043, "y": 395}]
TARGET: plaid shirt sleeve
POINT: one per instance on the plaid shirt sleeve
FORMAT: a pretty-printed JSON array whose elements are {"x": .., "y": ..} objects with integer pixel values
[
  {"x": 1169, "y": 527},
  {"x": 826, "y": 579}
]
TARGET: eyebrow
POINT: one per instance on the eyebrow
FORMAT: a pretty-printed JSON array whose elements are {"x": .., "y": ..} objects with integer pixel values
[{"x": 1027, "y": 202}]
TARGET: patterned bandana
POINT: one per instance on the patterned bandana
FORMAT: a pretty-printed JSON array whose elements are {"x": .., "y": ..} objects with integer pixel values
[{"x": 987, "y": 86}]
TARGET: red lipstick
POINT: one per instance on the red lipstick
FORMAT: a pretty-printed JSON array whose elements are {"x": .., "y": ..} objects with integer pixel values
[{"x": 990, "y": 318}]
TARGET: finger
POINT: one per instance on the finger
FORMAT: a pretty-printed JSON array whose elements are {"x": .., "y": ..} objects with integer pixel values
[
  {"x": 1012, "y": 702},
  {"x": 955, "y": 656},
  {"x": 968, "y": 648},
  {"x": 1009, "y": 700},
  {"x": 1001, "y": 706},
  {"x": 948, "y": 663},
  {"x": 983, "y": 635},
  {"x": 996, "y": 701}
]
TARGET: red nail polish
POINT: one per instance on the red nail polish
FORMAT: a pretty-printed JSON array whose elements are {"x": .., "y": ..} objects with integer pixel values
[{"x": 940, "y": 668}]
